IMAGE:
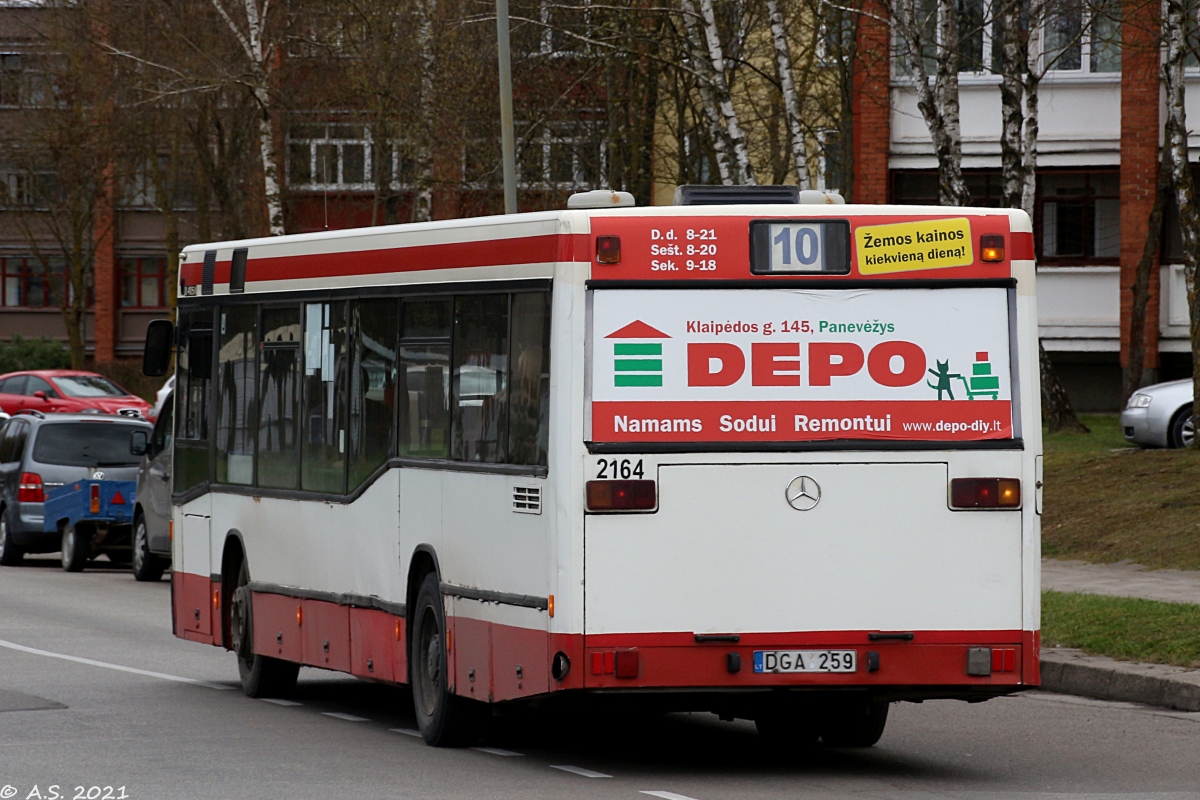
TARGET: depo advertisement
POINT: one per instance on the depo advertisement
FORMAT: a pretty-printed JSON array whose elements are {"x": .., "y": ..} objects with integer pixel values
[{"x": 800, "y": 365}]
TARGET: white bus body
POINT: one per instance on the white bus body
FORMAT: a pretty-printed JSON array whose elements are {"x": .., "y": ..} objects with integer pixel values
[{"x": 750, "y": 397}]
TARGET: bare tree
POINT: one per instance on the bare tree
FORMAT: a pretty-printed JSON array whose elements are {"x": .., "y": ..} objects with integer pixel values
[
  {"x": 1175, "y": 27},
  {"x": 791, "y": 100}
]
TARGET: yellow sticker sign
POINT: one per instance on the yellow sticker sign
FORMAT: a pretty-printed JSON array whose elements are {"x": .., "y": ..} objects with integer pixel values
[{"x": 912, "y": 246}]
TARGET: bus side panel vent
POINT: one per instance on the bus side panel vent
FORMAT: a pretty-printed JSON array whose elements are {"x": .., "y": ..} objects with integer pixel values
[
  {"x": 527, "y": 499},
  {"x": 209, "y": 273}
]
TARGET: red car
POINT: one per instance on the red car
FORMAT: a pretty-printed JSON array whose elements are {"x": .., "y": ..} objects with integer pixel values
[{"x": 66, "y": 390}]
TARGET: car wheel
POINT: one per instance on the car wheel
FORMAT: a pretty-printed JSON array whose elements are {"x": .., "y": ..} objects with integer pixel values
[
  {"x": 444, "y": 720},
  {"x": 855, "y": 725},
  {"x": 262, "y": 676},
  {"x": 75, "y": 549},
  {"x": 11, "y": 554},
  {"x": 146, "y": 565},
  {"x": 1182, "y": 431}
]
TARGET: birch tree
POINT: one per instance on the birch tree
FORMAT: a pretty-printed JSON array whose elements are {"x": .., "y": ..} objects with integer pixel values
[
  {"x": 250, "y": 28},
  {"x": 787, "y": 87},
  {"x": 427, "y": 64},
  {"x": 937, "y": 99},
  {"x": 1175, "y": 26}
]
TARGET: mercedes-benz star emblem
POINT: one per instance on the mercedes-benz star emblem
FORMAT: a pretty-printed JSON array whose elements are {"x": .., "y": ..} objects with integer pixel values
[{"x": 803, "y": 493}]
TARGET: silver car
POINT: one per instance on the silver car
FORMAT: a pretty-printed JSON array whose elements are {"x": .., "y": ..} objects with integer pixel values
[
  {"x": 152, "y": 510},
  {"x": 1160, "y": 415}
]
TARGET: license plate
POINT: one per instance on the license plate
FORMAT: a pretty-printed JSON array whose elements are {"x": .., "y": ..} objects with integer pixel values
[{"x": 804, "y": 661}]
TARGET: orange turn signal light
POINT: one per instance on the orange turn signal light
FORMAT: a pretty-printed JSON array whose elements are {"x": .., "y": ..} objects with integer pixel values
[
  {"x": 622, "y": 495},
  {"x": 608, "y": 249},
  {"x": 95, "y": 505},
  {"x": 972, "y": 493},
  {"x": 991, "y": 247}
]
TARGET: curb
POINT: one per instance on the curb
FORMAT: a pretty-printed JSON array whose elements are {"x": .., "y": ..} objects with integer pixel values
[{"x": 1069, "y": 671}]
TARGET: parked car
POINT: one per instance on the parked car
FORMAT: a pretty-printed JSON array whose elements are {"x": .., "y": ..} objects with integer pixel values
[
  {"x": 161, "y": 396},
  {"x": 41, "y": 452},
  {"x": 70, "y": 391},
  {"x": 1160, "y": 415},
  {"x": 152, "y": 511}
]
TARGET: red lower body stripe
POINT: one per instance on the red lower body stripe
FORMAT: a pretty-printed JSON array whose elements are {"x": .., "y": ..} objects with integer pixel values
[{"x": 493, "y": 662}]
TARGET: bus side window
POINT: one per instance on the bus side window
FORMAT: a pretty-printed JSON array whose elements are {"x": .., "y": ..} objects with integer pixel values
[
  {"x": 529, "y": 398},
  {"x": 480, "y": 378},
  {"x": 193, "y": 377},
  {"x": 279, "y": 398},
  {"x": 375, "y": 331},
  {"x": 323, "y": 437},
  {"x": 236, "y": 390},
  {"x": 423, "y": 383}
]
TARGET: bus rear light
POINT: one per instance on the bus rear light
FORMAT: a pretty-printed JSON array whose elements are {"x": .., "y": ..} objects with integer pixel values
[
  {"x": 550, "y": 605},
  {"x": 622, "y": 496},
  {"x": 991, "y": 247},
  {"x": 30, "y": 489},
  {"x": 95, "y": 497},
  {"x": 608, "y": 249},
  {"x": 970, "y": 493},
  {"x": 628, "y": 663}
]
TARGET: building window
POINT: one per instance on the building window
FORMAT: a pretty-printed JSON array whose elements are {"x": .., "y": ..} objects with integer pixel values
[
  {"x": 25, "y": 283},
  {"x": 24, "y": 82},
  {"x": 339, "y": 157},
  {"x": 561, "y": 160},
  {"x": 1077, "y": 217},
  {"x": 1077, "y": 37},
  {"x": 142, "y": 282}
]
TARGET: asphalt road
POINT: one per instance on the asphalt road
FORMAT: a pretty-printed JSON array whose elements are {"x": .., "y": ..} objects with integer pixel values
[{"x": 95, "y": 692}]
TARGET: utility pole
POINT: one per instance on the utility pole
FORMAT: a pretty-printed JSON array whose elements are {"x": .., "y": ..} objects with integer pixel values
[{"x": 507, "y": 144}]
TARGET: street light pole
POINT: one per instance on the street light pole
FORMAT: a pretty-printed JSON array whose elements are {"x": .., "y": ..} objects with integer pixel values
[{"x": 507, "y": 143}]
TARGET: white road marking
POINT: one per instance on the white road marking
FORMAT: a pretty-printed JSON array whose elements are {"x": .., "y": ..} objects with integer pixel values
[
  {"x": 587, "y": 773},
  {"x": 405, "y": 731},
  {"x": 93, "y": 663},
  {"x": 279, "y": 701},
  {"x": 668, "y": 795},
  {"x": 496, "y": 751},
  {"x": 347, "y": 717}
]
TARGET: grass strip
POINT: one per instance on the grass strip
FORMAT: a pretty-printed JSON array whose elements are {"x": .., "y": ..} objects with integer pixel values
[
  {"x": 1123, "y": 628},
  {"x": 1106, "y": 501}
]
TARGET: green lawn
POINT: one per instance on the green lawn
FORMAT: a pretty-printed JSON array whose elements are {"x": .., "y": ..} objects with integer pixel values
[
  {"x": 1106, "y": 501},
  {"x": 1123, "y": 628}
]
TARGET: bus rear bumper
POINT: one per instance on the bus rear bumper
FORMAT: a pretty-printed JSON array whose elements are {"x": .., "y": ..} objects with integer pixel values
[{"x": 929, "y": 664}]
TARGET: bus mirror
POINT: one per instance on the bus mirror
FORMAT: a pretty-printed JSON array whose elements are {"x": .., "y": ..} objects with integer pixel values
[{"x": 157, "y": 356}]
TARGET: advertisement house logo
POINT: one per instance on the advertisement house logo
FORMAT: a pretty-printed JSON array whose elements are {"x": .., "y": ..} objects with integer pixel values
[{"x": 637, "y": 359}]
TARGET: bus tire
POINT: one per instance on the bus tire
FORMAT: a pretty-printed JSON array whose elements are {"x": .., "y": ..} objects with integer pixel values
[
  {"x": 443, "y": 719},
  {"x": 11, "y": 555},
  {"x": 75, "y": 549},
  {"x": 855, "y": 725},
  {"x": 146, "y": 565},
  {"x": 262, "y": 676}
]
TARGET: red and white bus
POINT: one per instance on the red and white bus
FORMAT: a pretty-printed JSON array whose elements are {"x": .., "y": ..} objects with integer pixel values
[{"x": 778, "y": 461}]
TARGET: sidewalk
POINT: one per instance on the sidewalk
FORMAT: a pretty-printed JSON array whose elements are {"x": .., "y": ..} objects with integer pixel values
[
  {"x": 1071, "y": 672},
  {"x": 1121, "y": 580}
]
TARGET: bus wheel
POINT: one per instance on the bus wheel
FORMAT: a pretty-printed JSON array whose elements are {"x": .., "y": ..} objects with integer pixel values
[
  {"x": 262, "y": 676},
  {"x": 855, "y": 725},
  {"x": 443, "y": 719},
  {"x": 75, "y": 547}
]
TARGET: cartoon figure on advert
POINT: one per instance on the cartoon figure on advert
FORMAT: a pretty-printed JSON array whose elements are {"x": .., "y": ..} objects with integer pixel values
[{"x": 943, "y": 375}]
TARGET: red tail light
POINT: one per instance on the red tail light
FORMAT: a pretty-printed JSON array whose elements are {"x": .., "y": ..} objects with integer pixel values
[
  {"x": 608, "y": 249},
  {"x": 95, "y": 498},
  {"x": 622, "y": 495},
  {"x": 985, "y": 493},
  {"x": 30, "y": 490}
]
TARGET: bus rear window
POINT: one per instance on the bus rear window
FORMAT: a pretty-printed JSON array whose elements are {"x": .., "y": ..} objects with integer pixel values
[{"x": 85, "y": 444}]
